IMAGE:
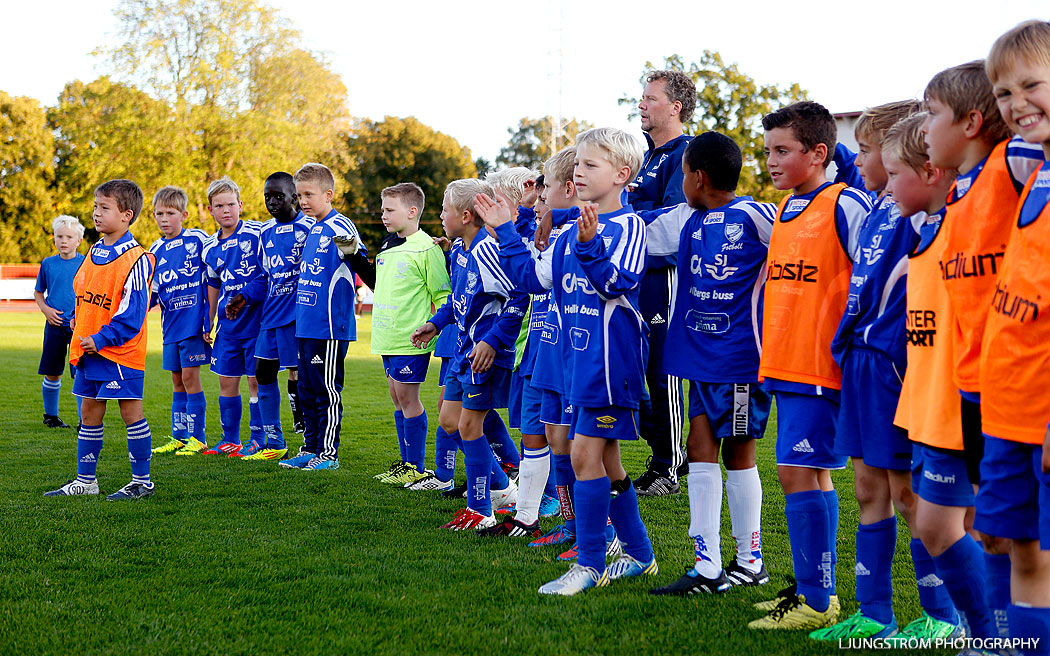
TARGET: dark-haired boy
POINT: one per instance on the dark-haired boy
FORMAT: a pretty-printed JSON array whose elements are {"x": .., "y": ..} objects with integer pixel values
[
  {"x": 807, "y": 285},
  {"x": 714, "y": 342},
  {"x": 108, "y": 348}
]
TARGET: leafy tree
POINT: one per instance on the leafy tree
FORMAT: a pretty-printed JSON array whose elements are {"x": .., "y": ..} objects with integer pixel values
[
  {"x": 26, "y": 173},
  {"x": 732, "y": 103},
  {"x": 384, "y": 153},
  {"x": 483, "y": 167},
  {"x": 531, "y": 142}
]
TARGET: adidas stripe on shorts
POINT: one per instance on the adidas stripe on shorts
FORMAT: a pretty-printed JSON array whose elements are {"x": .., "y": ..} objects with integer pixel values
[
  {"x": 806, "y": 431},
  {"x": 406, "y": 368}
]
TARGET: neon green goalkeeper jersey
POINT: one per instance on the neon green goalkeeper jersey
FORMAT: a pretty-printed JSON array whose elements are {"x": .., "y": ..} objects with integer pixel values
[{"x": 411, "y": 281}]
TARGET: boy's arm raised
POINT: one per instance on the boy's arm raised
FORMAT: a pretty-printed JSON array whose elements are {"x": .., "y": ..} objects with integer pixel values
[
  {"x": 611, "y": 274},
  {"x": 515, "y": 260}
]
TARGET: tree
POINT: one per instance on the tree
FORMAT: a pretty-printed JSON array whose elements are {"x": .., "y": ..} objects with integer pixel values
[
  {"x": 26, "y": 173},
  {"x": 384, "y": 153},
  {"x": 732, "y": 103},
  {"x": 533, "y": 142}
]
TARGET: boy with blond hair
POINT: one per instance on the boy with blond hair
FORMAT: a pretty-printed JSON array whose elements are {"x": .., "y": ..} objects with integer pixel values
[
  {"x": 1014, "y": 499},
  {"x": 54, "y": 297},
  {"x": 112, "y": 290},
  {"x": 179, "y": 288}
]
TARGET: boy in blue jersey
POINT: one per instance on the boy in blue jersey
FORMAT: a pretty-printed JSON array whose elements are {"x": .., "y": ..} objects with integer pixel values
[
  {"x": 324, "y": 316},
  {"x": 870, "y": 347},
  {"x": 54, "y": 296},
  {"x": 233, "y": 262},
  {"x": 594, "y": 272},
  {"x": 180, "y": 289},
  {"x": 488, "y": 312},
  {"x": 112, "y": 290},
  {"x": 810, "y": 255},
  {"x": 281, "y": 241},
  {"x": 713, "y": 340}
]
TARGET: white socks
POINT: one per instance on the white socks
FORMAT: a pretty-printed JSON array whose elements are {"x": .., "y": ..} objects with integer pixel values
[
  {"x": 532, "y": 479},
  {"x": 744, "y": 491},
  {"x": 705, "y": 512}
]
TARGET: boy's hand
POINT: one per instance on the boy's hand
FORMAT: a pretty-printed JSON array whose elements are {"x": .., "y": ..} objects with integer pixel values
[
  {"x": 88, "y": 344},
  {"x": 53, "y": 316},
  {"x": 1046, "y": 452},
  {"x": 481, "y": 357},
  {"x": 208, "y": 338},
  {"x": 234, "y": 307},
  {"x": 587, "y": 223},
  {"x": 444, "y": 243},
  {"x": 493, "y": 213},
  {"x": 531, "y": 193},
  {"x": 347, "y": 245},
  {"x": 422, "y": 335},
  {"x": 543, "y": 231}
]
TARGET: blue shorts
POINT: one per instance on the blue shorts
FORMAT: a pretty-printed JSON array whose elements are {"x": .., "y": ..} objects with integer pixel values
[
  {"x": 278, "y": 344},
  {"x": 734, "y": 410},
  {"x": 55, "y": 355},
  {"x": 531, "y": 401},
  {"x": 1014, "y": 498},
  {"x": 517, "y": 386},
  {"x": 488, "y": 395},
  {"x": 806, "y": 431},
  {"x": 443, "y": 371},
  {"x": 406, "y": 368},
  {"x": 233, "y": 357},
  {"x": 554, "y": 409},
  {"x": 111, "y": 390},
  {"x": 940, "y": 477},
  {"x": 871, "y": 388},
  {"x": 611, "y": 422},
  {"x": 190, "y": 352}
]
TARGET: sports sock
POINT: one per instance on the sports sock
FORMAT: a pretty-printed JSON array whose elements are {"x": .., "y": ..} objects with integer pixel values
[
  {"x": 875, "y": 546},
  {"x": 933, "y": 596},
  {"x": 255, "y": 420},
  {"x": 416, "y": 440},
  {"x": 445, "y": 454},
  {"x": 270, "y": 411},
  {"x": 139, "y": 451},
  {"x": 230, "y": 418},
  {"x": 831, "y": 499},
  {"x": 962, "y": 568},
  {"x": 705, "y": 513},
  {"x": 626, "y": 520},
  {"x": 196, "y": 411},
  {"x": 532, "y": 478},
  {"x": 566, "y": 489},
  {"x": 592, "y": 504},
  {"x": 997, "y": 584},
  {"x": 293, "y": 401},
  {"x": 50, "y": 391},
  {"x": 89, "y": 445},
  {"x": 807, "y": 520},
  {"x": 744, "y": 495},
  {"x": 477, "y": 458},
  {"x": 497, "y": 477},
  {"x": 1033, "y": 625},
  {"x": 502, "y": 444},
  {"x": 179, "y": 429},
  {"x": 399, "y": 426}
]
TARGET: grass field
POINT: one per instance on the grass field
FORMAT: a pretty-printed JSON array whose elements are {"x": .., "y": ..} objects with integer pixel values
[{"x": 235, "y": 557}]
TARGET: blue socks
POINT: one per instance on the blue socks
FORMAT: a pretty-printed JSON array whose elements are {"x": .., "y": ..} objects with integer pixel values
[
  {"x": 89, "y": 445},
  {"x": 196, "y": 407},
  {"x": 230, "y": 418},
  {"x": 445, "y": 447},
  {"x": 997, "y": 583},
  {"x": 627, "y": 522},
  {"x": 399, "y": 425},
  {"x": 502, "y": 444},
  {"x": 50, "y": 391},
  {"x": 416, "y": 440},
  {"x": 477, "y": 457},
  {"x": 933, "y": 596},
  {"x": 139, "y": 451},
  {"x": 255, "y": 425},
  {"x": 566, "y": 476},
  {"x": 270, "y": 411},
  {"x": 1031, "y": 624},
  {"x": 809, "y": 533},
  {"x": 831, "y": 499},
  {"x": 875, "y": 546},
  {"x": 178, "y": 416},
  {"x": 962, "y": 568},
  {"x": 592, "y": 500},
  {"x": 551, "y": 488}
]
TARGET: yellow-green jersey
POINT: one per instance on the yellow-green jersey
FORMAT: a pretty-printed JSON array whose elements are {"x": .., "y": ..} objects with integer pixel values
[{"x": 411, "y": 280}]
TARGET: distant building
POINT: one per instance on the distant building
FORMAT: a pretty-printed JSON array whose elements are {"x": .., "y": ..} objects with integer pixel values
[{"x": 845, "y": 121}]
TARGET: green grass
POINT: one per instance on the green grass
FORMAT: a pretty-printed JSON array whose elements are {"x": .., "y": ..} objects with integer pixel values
[{"x": 234, "y": 557}]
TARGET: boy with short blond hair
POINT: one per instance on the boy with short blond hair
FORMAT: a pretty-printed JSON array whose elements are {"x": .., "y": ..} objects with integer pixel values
[
  {"x": 179, "y": 288},
  {"x": 112, "y": 289},
  {"x": 54, "y": 297}
]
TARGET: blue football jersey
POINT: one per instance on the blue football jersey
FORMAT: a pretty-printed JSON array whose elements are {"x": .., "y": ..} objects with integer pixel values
[
  {"x": 538, "y": 308},
  {"x": 281, "y": 256},
  {"x": 324, "y": 302},
  {"x": 180, "y": 286},
  {"x": 232, "y": 264},
  {"x": 714, "y": 333},
  {"x": 875, "y": 310},
  {"x": 55, "y": 281}
]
